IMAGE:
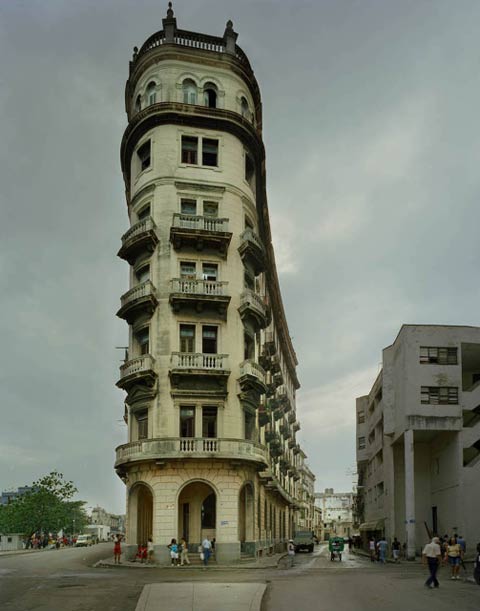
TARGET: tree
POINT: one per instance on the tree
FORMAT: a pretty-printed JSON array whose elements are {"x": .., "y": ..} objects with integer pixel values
[{"x": 46, "y": 507}]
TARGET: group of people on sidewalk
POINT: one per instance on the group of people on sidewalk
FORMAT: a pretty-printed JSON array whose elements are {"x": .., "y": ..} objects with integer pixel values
[
  {"x": 378, "y": 550},
  {"x": 451, "y": 551}
]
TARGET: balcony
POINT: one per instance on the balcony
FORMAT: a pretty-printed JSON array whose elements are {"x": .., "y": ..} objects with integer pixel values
[
  {"x": 252, "y": 251},
  {"x": 296, "y": 426},
  {"x": 285, "y": 398},
  {"x": 285, "y": 430},
  {"x": 141, "y": 299},
  {"x": 139, "y": 238},
  {"x": 139, "y": 370},
  {"x": 277, "y": 379},
  {"x": 292, "y": 416},
  {"x": 200, "y": 232},
  {"x": 200, "y": 372},
  {"x": 263, "y": 415},
  {"x": 270, "y": 347},
  {"x": 253, "y": 307},
  {"x": 291, "y": 443},
  {"x": 183, "y": 448},
  {"x": 252, "y": 377},
  {"x": 199, "y": 294}
]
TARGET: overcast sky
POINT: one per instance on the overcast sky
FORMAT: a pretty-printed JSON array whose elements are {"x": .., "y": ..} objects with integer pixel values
[{"x": 373, "y": 151}]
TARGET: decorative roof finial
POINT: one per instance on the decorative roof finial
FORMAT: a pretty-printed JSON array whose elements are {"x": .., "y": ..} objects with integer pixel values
[
  {"x": 170, "y": 10},
  {"x": 229, "y": 24}
]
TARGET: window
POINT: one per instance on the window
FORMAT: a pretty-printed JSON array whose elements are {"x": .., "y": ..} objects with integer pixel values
[
  {"x": 249, "y": 426},
  {"x": 248, "y": 280},
  {"x": 189, "y": 150},
  {"x": 144, "y": 213},
  {"x": 188, "y": 270},
  {"x": 187, "y": 338},
  {"x": 189, "y": 92},
  {"x": 188, "y": 206},
  {"x": 209, "y": 339},
  {"x": 210, "y": 95},
  {"x": 361, "y": 443},
  {"x": 210, "y": 209},
  {"x": 439, "y": 395},
  {"x": 210, "y": 271},
  {"x": 144, "y": 156},
  {"x": 248, "y": 346},
  {"x": 249, "y": 170},
  {"x": 187, "y": 421},
  {"x": 142, "y": 424},
  {"x": 244, "y": 109},
  {"x": 439, "y": 356},
  {"x": 143, "y": 273},
  {"x": 209, "y": 421},
  {"x": 209, "y": 152},
  {"x": 151, "y": 93},
  {"x": 361, "y": 416},
  {"x": 138, "y": 104},
  {"x": 143, "y": 338}
]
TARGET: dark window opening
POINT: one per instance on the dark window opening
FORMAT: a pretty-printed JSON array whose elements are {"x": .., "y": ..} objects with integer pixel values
[
  {"x": 143, "y": 339},
  {"x": 210, "y": 271},
  {"x": 142, "y": 423},
  {"x": 210, "y": 209},
  {"x": 209, "y": 511},
  {"x": 209, "y": 340},
  {"x": 249, "y": 280},
  {"x": 187, "y": 338},
  {"x": 144, "y": 155},
  {"x": 188, "y": 206},
  {"x": 209, "y": 152},
  {"x": 144, "y": 213},
  {"x": 210, "y": 98},
  {"x": 187, "y": 421},
  {"x": 209, "y": 421},
  {"x": 143, "y": 273},
  {"x": 249, "y": 346},
  {"x": 249, "y": 171},
  {"x": 249, "y": 426},
  {"x": 189, "y": 150}
]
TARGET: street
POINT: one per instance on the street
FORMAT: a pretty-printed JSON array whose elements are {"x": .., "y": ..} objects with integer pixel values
[{"x": 65, "y": 580}]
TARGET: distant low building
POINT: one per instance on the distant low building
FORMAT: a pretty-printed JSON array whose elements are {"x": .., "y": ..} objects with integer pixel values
[
  {"x": 8, "y": 496},
  {"x": 11, "y": 542},
  {"x": 337, "y": 513},
  {"x": 104, "y": 524}
]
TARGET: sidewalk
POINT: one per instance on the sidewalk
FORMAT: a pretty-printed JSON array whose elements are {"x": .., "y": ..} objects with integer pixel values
[{"x": 188, "y": 596}]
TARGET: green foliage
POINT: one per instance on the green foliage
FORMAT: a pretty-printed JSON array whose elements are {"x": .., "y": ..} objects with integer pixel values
[{"x": 45, "y": 508}]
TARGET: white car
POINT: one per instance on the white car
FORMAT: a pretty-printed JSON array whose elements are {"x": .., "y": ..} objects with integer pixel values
[{"x": 84, "y": 541}]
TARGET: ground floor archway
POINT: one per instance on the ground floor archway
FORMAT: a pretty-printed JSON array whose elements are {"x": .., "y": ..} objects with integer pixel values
[
  {"x": 246, "y": 519},
  {"x": 197, "y": 513},
  {"x": 140, "y": 512}
]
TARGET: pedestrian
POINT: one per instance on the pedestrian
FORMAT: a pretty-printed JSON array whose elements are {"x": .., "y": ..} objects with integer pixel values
[
  {"x": 432, "y": 555},
  {"x": 173, "y": 547},
  {"x": 117, "y": 550},
  {"x": 382, "y": 547},
  {"x": 453, "y": 556},
  {"x": 290, "y": 553},
  {"x": 184, "y": 552},
  {"x": 150, "y": 551},
  {"x": 396, "y": 549},
  {"x": 476, "y": 565},
  {"x": 206, "y": 550},
  {"x": 371, "y": 547}
]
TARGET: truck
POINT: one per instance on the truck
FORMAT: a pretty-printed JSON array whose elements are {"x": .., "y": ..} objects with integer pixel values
[{"x": 303, "y": 539}]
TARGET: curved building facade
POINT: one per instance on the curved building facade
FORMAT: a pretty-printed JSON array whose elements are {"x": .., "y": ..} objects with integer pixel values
[{"x": 210, "y": 374}]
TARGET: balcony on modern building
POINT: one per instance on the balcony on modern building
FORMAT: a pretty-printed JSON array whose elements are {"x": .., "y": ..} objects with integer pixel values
[
  {"x": 183, "y": 448},
  {"x": 200, "y": 295},
  {"x": 202, "y": 372},
  {"x": 141, "y": 299},
  {"x": 252, "y": 251},
  {"x": 253, "y": 308},
  {"x": 200, "y": 233},
  {"x": 252, "y": 377},
  {"x": 140, "y": 370},
  {"x": 139, "y": 238}
]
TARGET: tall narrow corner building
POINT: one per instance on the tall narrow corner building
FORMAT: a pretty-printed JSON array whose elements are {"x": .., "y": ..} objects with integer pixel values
[{"x": 210, "y": 375}]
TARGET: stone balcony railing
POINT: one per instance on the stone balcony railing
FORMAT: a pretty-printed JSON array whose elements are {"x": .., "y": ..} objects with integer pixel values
[
  {"x": 139, "y": 369},
  {"x": 253, "y": 369},
  {"x": 200, "y": 223},
  {"x": 200, "y": 361},
  {"x": 252, "y": 249},
  {"x": 142, "y": 298},
  {"x": 200, "y": 232},
  {"x": 253, "y": 305},
  {"x": 143, "y": 290},
  {"x": 180, "y": 448},
  {"x": 212, "y": 288},
  {"x": 140, "y": 236}
]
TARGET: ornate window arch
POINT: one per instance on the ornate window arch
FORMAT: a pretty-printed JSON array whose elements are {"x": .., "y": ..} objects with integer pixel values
[
  {"x": 189, "y": 91},
  {"x": 151, "y": 93},
  {"x": 210, "y": 92}
]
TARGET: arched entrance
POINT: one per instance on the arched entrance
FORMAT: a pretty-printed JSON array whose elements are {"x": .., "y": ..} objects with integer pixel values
[
  {"x": 197, "y": 513},
  {"x": 246, "y": 519},
  {"x": 140, "y": 514}
]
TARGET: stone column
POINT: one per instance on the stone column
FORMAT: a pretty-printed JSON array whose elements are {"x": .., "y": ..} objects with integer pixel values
[{"x": 409, "y": 493}]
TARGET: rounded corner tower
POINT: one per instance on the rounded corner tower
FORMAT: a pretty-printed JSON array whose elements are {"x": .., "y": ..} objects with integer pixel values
[{"x": 210, "y": 373}]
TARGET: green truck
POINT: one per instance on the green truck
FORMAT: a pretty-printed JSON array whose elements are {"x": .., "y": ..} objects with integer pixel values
[{"x": 303, "y": 539}]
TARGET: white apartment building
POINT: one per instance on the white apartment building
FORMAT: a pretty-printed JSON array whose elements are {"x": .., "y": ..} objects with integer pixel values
[
  {"x": 418, "y": 438},
  {"x": 210, "y": 375},
  {"x": 337, "y": 513}
]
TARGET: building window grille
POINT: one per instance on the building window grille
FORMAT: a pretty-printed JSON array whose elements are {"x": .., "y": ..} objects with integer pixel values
[
  {"x": 144, "y": 155},
  {"x": 190, "y": 150},
  {"x": 438, "y": 356},
  {"x": 187, "y": 421},
  {"x": 361, "y": 443},
  {"x": 439, "y": 395},
  {"x": 209, "y": 152}
]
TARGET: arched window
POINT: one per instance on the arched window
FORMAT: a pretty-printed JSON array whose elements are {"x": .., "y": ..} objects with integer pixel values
[
  {"x": 245, "y": 108},
  {"x": 210, "y": 93},
  {"x": 189, "y": 92},
  {"x": 138, "y": 103},
  {"x": 151, "y": 93}
]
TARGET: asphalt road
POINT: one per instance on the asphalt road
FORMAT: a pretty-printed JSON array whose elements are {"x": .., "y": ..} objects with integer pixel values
[{"x": 65, "y": 580}]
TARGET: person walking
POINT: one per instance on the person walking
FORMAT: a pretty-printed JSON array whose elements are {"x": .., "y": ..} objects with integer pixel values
[
  {"x": 117, "y": 550},
  {"x": 184, "y": 552},
  {"x": 396, "y": 550},
  {"x": 173, "y": 547},
  {"x": 453, "y": 555},
  {"x": 432, "y": 556},
  {"x": 382, "y": 547},
  {"x": 207, "y": 550},
  {"x": 150, "y": 551},
  {"x": 371, "y": 547},
  {"x": 290, "y": 553}
]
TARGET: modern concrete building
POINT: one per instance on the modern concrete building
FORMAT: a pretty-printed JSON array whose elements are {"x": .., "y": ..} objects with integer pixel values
[
  {"x": 337, "y": 513},
  {"x": 418, "y": 438},
  {"x": 210, "y": 373},
  {"x": 7, "y": 496}
]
